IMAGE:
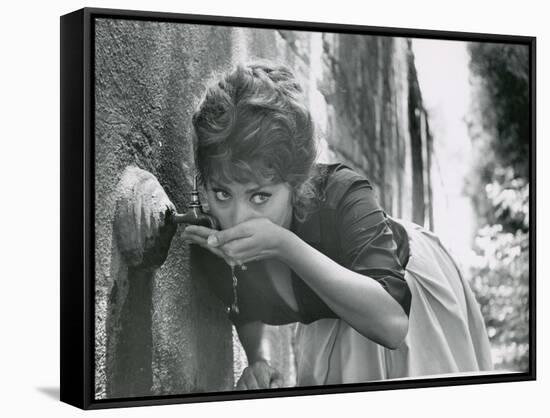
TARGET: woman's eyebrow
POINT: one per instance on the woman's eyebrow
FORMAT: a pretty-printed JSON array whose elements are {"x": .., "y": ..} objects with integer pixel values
[
  {"x": 215, "y": 184},
  {"x": 254, "y": 189}
]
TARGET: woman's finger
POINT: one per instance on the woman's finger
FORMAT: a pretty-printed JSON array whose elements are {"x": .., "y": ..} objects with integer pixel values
[
  {"x": 238, "y": 247},
  {"x": 219, "y": 238},
  {"x": 247, "y": 253},
  {"x": 200, "y": 230},
  {"x": 249, "y": 380},
  {"x": 241, "y": 384},
  {"x": 198, "y": 240},
  {"x": 202, "y": 242},
  {"x": 254, "y": 257},
  {"x": 228, "y": 260}
]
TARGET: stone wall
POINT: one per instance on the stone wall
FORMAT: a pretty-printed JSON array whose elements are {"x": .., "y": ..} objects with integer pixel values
[
  {"x": 148, "y": 78},
  {"x": 163, "y": 332}
]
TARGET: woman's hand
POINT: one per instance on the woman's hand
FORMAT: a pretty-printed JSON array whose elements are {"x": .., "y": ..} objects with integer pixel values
[
  {"x": 252, "y": 240},
  {"x": 141, "y": 219},
  {"x": 260, "y": 375},
  {"x": 197, "y": 234}
]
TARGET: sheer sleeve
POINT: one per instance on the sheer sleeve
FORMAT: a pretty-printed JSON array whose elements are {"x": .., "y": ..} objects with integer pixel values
[{"x": 367, "y": 243}]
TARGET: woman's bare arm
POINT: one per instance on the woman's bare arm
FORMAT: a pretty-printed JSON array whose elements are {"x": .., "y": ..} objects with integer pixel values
[
  {"x": 259, "y": 374},
  {"x": 359, "y": 300},
  {"x": 251, "y": 337}
]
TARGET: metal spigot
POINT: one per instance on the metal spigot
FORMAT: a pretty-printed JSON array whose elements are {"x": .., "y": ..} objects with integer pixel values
[{"x": 195, "y": 214}]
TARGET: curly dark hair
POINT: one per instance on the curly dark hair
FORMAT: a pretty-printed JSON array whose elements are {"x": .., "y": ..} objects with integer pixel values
[{"x": 253, "y": 124}]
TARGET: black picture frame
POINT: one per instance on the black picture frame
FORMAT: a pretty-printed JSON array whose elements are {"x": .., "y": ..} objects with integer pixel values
[{"x": 77, "y": 208}]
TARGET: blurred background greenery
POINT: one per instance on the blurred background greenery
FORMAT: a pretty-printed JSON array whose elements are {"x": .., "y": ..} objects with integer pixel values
[{"x": 498, "y": 185}]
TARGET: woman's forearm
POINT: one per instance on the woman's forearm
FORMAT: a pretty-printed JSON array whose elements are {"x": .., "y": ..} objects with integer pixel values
[
  {"x": 251, "y": 337},
  {"x": 359, "y": 300}
]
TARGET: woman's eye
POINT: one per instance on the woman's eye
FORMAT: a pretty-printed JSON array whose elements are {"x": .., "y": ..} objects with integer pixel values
[
  {"x": 260, "y": 198},
  {"x": 221, "y": 195}
]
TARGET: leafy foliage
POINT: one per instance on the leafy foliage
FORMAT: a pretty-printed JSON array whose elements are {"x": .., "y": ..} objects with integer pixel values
[
  {"x": 501, "y": 275},
  {"x": 499, "y": 188}
]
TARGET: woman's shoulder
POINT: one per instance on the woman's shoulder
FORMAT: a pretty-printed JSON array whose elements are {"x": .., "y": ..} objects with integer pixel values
[{"x": 338, "y": 180}]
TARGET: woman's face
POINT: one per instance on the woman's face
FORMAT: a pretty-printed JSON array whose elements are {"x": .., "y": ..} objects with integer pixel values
[{"x": 233, "y": 203}]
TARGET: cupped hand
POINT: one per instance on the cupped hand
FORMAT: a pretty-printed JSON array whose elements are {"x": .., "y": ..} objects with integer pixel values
[
  {"x": 252, "y": 240},
  {"x": 260, "y": 375},
  {"x": 198, "y": 235}
]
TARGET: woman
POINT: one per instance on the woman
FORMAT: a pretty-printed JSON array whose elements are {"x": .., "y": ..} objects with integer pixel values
[{"x": 376, "y": 298}]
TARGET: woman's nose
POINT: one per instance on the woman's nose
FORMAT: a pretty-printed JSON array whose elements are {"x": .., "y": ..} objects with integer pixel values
[{"x": 243, "y": 212}]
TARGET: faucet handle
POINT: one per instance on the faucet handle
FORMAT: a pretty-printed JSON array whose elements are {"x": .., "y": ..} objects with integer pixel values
[{"x": 195, "y": 214}]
